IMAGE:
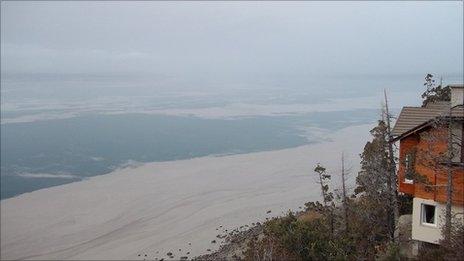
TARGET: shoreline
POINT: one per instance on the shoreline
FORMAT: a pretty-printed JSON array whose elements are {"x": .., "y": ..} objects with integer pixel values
[{"x": 161, "y": 207}]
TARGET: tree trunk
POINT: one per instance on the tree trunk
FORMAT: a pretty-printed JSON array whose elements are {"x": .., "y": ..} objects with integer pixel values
[
  {"x": 392, "y": 178},
  {"x": 324, "y": 197},
  {"x": 449, "y": 184},
  {"x": 345, "y": 204}
]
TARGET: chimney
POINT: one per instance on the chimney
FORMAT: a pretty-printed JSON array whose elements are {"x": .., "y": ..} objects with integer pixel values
[
  {"x": 457, "y": 94},
  {"x": 457, "y": 99}
]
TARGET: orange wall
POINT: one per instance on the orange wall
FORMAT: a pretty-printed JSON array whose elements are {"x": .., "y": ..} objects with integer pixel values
[
  {"x": 429, "y": 146},
  {"x": 406, "y": 145}
]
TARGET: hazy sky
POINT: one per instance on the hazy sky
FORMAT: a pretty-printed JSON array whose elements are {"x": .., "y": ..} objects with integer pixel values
[{"x": 232, "y": 37}]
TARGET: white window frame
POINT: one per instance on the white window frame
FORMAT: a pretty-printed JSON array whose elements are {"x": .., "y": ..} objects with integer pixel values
[
  {"x": 408, "y": 166},
  {"x": 408, "y": 181},
  {"x": 423, "y": 219}
]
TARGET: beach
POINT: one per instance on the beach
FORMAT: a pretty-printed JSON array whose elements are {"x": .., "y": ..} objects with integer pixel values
[{"x": 148, "y": 210}]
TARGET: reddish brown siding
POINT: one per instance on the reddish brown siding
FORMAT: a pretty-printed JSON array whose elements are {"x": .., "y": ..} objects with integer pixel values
[
  {"x": 407, "y": 145},
  {"x": 429, "y": 146}
]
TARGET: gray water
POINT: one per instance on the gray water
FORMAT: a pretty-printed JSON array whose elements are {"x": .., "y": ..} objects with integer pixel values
[
  {"x": 46, "y": 153},
  {"x": 61, "y": 128}
]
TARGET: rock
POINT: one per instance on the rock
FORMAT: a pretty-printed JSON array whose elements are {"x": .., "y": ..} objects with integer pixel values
[
  {"x": 232, "y": 246},
  {"x": 268, "y": 212},
  {"x": 404, "y": 227},
  {"x": 213, "y": 242},
  {"x": 407, "y": 246}
]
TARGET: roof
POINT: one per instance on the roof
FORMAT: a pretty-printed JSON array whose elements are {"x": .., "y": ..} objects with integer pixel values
[
  {"x": 414, "y": 118},
  {"x": 411, "y": 117}
]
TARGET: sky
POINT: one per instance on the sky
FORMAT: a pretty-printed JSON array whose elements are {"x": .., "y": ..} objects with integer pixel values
[{"x": 231, "y": 38}]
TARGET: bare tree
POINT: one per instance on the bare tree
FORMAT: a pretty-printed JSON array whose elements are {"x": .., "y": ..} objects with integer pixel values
[
  {"x": 442, "y": 160},
  {"x": 344, "y": 201},
  {"x": 392, "y": 181},
  {"x": 439, "y": 156},
  {"x": 449, "y": 182}
]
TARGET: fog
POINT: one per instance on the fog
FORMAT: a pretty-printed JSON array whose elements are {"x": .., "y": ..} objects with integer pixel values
[
  {"x": 232, "y": 37},
  {"x": 169, "y": 119},
  {"x": 210, "y": 54}
]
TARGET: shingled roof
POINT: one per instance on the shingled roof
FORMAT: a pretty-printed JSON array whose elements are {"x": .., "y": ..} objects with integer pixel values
[{"x": 412, "y": 117}]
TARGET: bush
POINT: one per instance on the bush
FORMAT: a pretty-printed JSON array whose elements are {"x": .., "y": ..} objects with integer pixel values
[
  {"x": 319, "y": 234},
  {"x": 292, "y": 238},
  {"x": 405, "y": 204}
]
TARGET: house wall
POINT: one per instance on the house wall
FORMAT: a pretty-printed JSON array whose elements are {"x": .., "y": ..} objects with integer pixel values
[
  {"x": 458, "y": 134},
  {"x": 407, "y": 145},
  {"x": 428, "y": 233},
  {"x": 457, "y": 96},
  {"x": 430, "y": 147}
]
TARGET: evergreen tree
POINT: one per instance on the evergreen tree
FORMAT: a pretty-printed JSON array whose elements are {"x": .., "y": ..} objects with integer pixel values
[
  {"x": 434, "y": 93},
  {"x": 373, "y": 181},
  {"x": 327, "y": 196},
  {"x": 372, "y": 178}
]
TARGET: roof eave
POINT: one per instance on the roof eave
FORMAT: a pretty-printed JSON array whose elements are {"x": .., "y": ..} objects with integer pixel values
[
  {"x": 413, "y": 130},
  {"x": 423, "y": 126}
]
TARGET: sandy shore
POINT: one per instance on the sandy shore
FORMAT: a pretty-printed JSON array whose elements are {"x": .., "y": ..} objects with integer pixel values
[{"x": 158, "y": 208}]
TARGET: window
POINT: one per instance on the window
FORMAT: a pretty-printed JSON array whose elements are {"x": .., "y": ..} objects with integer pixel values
[
  {"x": 429, "y": 216},
  {"x": 409, "y": 167}
]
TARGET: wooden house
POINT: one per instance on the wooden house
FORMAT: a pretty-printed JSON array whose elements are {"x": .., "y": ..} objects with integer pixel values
[{"x": 426, "y": 156}]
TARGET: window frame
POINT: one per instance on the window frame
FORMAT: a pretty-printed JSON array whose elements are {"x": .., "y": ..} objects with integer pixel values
[
  {"x": 409, "y": 165},
  {"x": 423, "y": 217}
]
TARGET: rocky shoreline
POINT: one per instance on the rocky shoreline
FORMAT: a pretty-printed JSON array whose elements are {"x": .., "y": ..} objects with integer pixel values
[{"x": 235, "y": 244}]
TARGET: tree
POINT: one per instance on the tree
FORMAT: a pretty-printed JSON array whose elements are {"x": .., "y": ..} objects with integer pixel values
[
  {"x": 324, "y": 180},
  {"x": 327, "y": 196},
  {"x": 392, "y": 180},
  {"x": 345, "y": 198},
  {"x": 374, "y": 179},
  {"x": 440, "y": 155},
  {"x": 443, "y": 133},
  {"x": 433, "y": 92}
]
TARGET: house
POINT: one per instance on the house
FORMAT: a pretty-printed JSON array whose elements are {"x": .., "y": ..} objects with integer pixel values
[{"x": 424, "y": 136}]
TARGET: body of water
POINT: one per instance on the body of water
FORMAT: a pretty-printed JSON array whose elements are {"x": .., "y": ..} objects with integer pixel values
[{"x": 46, "y": 153}]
